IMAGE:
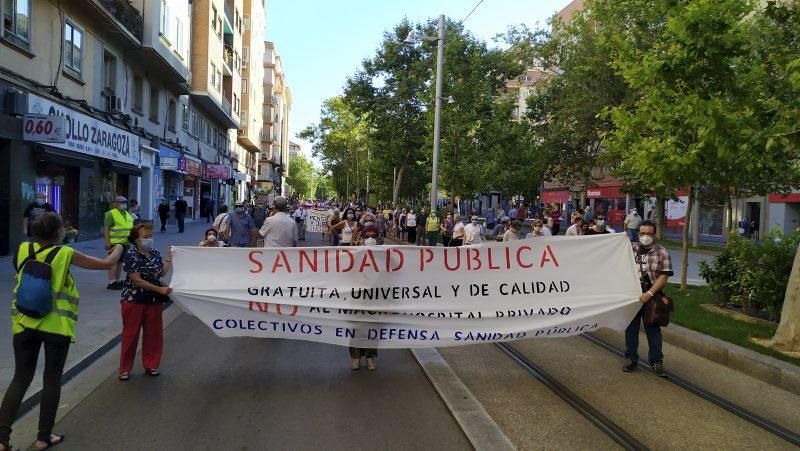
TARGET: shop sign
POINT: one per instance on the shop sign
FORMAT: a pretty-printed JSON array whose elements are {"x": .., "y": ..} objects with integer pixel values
[
  {"x": 608, "y": 192},
  {"x": 192, "y": 167},
  {"x": 88, "y": 135},
  {"x": 169, "y": 163},
  {"x": 43, "y": 128},
  {"x": 217, "y": 171}
]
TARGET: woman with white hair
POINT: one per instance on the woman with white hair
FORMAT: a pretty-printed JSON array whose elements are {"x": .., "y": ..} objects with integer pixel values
[{"x": 458, "y": 232}]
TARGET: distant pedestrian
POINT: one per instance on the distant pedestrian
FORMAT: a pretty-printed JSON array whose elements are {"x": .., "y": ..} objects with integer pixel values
[
  {"x": 56, "y": 330},
  {"x": 163, "y": 214},
  {"x": 222, "y": 225},
  {"x": 575, "y": 228},
  {"x": 555, "y": 216},
  {"x": 259, "y": 214},
  {"x": 632, "y": 223},
  {"x": 279, "y": 229},
  {"x": 599, "y": 225},
  {"x": 421, "y": 218},
  {"x": 117, "y": 225},
  {"x": 473, "y": 232},
  {"x": 538, "y": 230},
  {"x": 512, "y": 233},
  {"x": 411, "y": 227},
  {"x": 458, "y": 231},
  {"x": 181, "y": 207},
  {"x": 402, "y": 224},
  {"x": 447, "y": 229},
  {"x": 491, "y": 219},
  {"x": 142, "y": 303},
  {"x": 243, "y": 228},
  {"x": 346, "y": 228},
  {"x": 35, "y": 209},
  {"x": 211, "y": 205},
  {"x": 655, "y": 268},
  {"x": 432, "y": 227},
  {"x": 133, "y": 209},
  {"x": 300, "y": 216},
  {"x": 332, "y": 221},
  {"x": 367, "y": 236}
]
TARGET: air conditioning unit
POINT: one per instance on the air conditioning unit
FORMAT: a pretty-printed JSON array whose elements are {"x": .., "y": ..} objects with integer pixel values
[{"x": 113, "y": 104}]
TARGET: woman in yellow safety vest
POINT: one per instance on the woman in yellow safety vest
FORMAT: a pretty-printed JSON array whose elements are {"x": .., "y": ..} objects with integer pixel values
[{"x": 56, "y": 330}]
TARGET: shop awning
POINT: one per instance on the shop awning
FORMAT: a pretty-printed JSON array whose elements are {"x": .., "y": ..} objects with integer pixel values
[
  {"x": 67, "y": 157},
  {"x": 125, "y": 168}
]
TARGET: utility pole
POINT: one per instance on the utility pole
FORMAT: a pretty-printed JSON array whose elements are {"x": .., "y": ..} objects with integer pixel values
[{"x": 437, "y": 115}]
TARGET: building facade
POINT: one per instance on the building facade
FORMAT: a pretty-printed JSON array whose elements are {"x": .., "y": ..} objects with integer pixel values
[
  {"x": 146, "y": 99},
  {"x": 273, "y": 164}
]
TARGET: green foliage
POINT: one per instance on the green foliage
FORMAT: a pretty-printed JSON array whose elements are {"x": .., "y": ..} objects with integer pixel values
[
  {"x": 301, "y": 177},
  {"x": 753, "y": 275}
]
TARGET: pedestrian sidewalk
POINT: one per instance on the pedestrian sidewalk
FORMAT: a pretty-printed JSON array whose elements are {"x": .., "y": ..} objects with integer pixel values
[{"x": 99, "y": 321}]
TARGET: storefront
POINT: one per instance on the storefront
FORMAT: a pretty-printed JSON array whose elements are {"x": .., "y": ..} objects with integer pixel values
[
  {"x": 191, "y": 185},
  {"x": 170, "y": 175},
  {"x": 608, "y": 200},
  {"x": 81, "y": 176},
  {"x": 784, "y": 212}
]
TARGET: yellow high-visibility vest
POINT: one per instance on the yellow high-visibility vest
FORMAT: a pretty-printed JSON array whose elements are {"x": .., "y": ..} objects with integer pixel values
[
  {"x": 122, "y": 227},
  {"x": 62, "y": 319}
]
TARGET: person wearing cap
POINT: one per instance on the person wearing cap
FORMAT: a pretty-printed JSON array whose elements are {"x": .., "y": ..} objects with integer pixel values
[
  {"x": 117, "y": 225},
  {"x": 632, "y": 223},
  {"x": 473, "y": 232}
]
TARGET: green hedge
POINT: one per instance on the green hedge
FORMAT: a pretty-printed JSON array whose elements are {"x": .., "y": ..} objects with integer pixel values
[{"x": 753, "y": 274}]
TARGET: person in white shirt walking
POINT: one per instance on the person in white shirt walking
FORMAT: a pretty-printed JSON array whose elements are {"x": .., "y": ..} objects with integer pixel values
[
  {"x": 473, "y": 232},
  {"x": 279, "y": 229},
  {"x": 300, "y": 216},
  {"x": 632, "y": 223}
]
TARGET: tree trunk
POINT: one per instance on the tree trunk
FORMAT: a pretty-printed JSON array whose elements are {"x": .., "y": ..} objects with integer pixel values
[
  {"x": 659, "y": 215},
  {"x": 787, "y": 337},
  {"x": 729, "y": 217},
  {"x": 397, "y": 182},
  {"x": 685, "y": 239}
]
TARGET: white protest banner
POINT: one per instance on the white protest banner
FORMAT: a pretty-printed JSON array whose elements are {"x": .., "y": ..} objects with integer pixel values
[
  {"x": 407, "y": 296},
  {"x": 317, "y": 221}
]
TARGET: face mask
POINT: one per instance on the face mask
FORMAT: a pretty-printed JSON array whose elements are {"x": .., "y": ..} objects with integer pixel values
[
  {"x": 474, "y": 222},
  {"x": 368, "y": 224},
  {"x": 239, "y": 211},
  {"x": 646, "y": 240},
  {"x": 211, "y": 238},
  {"x": 370, "y": 242},
  {"x": 39, "y": 202},
  {"x": 123, "y": 206},
  {"x": 601, "y": 224},
  {"x": 349, "y": 215},
  {"x": 146, "y": 243}
]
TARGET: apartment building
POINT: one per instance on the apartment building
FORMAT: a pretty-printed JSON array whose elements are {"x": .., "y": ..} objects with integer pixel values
[
  {"x": 295, "y": 150},
  {"x": 251, "y": 130},
  {"x": 139, "y": 98},
  {"x": 273, "y": 164}
]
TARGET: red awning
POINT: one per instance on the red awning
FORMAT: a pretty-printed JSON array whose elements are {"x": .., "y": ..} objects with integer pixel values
[
  {"x": 555, "y": 196},
  {"x": 780, "y": 198}
]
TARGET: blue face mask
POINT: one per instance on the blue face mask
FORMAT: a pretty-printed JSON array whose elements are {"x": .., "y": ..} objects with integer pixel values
[
  {"x": 39, "y": 202},
  {"x": 601, "y": 224}
]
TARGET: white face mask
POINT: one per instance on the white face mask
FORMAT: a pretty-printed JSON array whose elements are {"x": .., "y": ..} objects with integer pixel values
[
  {"x": 212, "y": 238},
  {"x": 146, "y": 243},
  {"x": 646, "y": 240}
]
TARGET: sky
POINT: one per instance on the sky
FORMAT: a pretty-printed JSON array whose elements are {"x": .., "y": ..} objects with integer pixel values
[{"x": 322, "y": 42}]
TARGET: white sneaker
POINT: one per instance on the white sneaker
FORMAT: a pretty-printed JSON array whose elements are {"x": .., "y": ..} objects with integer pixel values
[
  {"x": 371, "y": 364},
  {"x": 356, "y": 364}
]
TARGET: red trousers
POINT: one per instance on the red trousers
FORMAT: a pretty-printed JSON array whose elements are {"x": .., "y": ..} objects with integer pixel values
[{"x": 146, "y": 317}]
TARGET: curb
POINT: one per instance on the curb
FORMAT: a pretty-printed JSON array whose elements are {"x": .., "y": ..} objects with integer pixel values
[
  {"x": 478, "y": 426},
  {"x": 696, "y": 251},
  {"x": 767, "y": 369}
]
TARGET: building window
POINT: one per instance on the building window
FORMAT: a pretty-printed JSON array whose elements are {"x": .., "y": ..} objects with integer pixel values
[
  {"x": 164, "y": 29},
  {"x": 109, "y": 73},
  {"x": 73, "y": 47},
  {"x": 214, "y": 75},
  {"x": 185, "y": 121},
  {"x": 244, "y": 86},
  {"x": 214, "y": 18},
  {"x": 16, "y": 22},
  {"x": 172, "y": 114},
  {"x": 195, "y": 123},
  {"x": 219, "y": 81},
  {"x": 219, "y": 27},
  {"x": 209, "y": 133},
  {"x": 179, "y": 38},
  {"x": 138, "y": 93},
  {"x": 154, "y": 105}
]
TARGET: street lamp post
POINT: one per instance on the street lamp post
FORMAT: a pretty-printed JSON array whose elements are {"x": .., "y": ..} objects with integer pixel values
[{"x": 437, "y": 112}]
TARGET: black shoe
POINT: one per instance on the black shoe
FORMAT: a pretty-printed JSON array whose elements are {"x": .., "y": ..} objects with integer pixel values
[
  {"x": 629, "y": 366},
  {"x": 658, "y": 369}
]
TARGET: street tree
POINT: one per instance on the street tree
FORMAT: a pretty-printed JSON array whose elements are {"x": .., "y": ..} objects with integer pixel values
[{"x": 301, "y": 177}]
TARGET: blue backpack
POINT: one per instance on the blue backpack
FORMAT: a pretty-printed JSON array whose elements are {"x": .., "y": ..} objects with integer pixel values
[{"x": 35, "y": 290}]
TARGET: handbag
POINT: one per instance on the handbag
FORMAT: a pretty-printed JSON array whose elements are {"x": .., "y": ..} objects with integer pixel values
[{"x": 656, "y": 310}]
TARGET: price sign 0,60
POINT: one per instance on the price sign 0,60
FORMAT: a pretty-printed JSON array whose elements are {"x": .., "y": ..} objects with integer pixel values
[{"x": 43, "y": 128}]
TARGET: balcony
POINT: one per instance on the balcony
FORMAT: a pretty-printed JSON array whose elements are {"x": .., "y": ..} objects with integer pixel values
[
  {"x": 118, "y": 16},
  {"x": 227, "y": 68}
]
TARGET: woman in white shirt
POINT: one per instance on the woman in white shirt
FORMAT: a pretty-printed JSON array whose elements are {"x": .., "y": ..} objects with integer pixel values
[
  {"x": 411, "y": 227},
  {"x": 538, "y": 230},
  {"x": 346, "y": 227},
  {"x": 458, "y": 232}
]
